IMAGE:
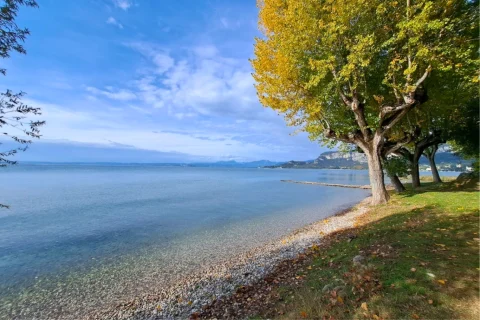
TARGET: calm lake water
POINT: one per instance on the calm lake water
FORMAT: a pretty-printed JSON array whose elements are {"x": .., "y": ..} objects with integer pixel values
[{"x": 109, "y": 223}]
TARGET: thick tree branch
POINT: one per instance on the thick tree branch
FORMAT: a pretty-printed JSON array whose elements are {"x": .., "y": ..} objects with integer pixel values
[
  {"x": 345, "y": 99},
  {"x": 430, "y": 153},
  {"x": 353, "y": 138},
  {"x": 429, "y": 141},
  {"x": 329, "y": 133},
  {"x": 423, "y": 77},
  {"x": 392, "y": 147},
  {"x": 404, "y": 152},
  {"x": 359, "y": 112},
  {"x": 389, "y": 109},
  {"x": 388, "y": 124}
]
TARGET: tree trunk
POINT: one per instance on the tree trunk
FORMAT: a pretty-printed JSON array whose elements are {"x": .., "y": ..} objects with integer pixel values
[
  {"x": 397, "y": 183},
  {"x": 377, "y": 181},
  {"x": 430, "y": 154},
  {"x": 415, "y": 173},
  {"x": 436, "y": 176}
]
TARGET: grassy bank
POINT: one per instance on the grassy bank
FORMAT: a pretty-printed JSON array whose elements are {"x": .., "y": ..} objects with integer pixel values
[
  {"x": 415, "y": 258},
  {"x": 419, "y": 259}
]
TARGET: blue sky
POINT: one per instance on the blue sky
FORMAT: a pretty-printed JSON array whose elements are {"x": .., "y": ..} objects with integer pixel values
[{"x": 137, "y": 76}]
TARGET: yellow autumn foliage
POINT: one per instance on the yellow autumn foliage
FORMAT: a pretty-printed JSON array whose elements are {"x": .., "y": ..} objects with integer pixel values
[{"x": 313, "y": 50}]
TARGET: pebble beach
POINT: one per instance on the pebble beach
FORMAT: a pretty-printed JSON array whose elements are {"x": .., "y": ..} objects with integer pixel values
[{"x": 197, "y": 290}]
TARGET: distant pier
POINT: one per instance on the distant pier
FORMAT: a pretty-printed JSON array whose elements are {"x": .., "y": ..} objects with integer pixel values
[{"x": 330, "y": 184}]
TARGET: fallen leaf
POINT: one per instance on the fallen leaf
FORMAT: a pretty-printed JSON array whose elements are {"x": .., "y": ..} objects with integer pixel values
[
  {"x": 340, "y": 300},
  {"x": 364, "y": 306},
  {"x": 413, "y": 269},
  {"x": 303, "y": 314},
  {"x": 194, "y": 316},
  {"x": 430, "y": 301},
  {"x": 442, "y": 282},
  {"x": 415, "y": 316},
  {"x": 376, "y": 317}
]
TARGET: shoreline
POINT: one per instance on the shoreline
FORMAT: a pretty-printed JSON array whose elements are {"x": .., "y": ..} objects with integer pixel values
[{"x": 220, "y": 280}]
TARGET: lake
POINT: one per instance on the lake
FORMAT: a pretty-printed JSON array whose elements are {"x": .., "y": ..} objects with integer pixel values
[{"x": 93, "y": 234}]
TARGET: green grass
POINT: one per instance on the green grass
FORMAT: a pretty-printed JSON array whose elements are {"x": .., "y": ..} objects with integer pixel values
[{"x": 422, "y": 262}]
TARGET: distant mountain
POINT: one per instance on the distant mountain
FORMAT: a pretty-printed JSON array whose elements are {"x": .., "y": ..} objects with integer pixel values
[
  {"x": 329, "y": 160},
  {"x": 445, "y": 159}
]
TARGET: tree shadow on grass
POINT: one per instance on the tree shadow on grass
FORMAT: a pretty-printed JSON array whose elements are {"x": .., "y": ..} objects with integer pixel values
[{"x": 452, "y": 186}]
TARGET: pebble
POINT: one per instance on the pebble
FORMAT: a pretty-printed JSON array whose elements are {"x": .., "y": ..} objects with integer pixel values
[{"x": 357, "y": 260}]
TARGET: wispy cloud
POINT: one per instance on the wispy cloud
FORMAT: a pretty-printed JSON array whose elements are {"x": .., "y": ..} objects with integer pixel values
[
  {"x": 111, "y": 93},
  {"x": 224, "y": 22},
  {"x": 122, "y": 4},
  {"x": 113, "y": 21},
  {"x": 160, "y": 57}
]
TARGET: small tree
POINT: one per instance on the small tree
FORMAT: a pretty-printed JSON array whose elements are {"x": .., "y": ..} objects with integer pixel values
[
  {"x": 415, "y": 150},
  {"x": 465, "y": 140},
  {"x": 436, "y": 121},
  {"x": 350, "y": 70},
  {"x": 13, "y": 112}
]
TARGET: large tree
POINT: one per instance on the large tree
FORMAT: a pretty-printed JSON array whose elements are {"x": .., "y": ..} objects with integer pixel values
[{"x": 350, "y": 70}]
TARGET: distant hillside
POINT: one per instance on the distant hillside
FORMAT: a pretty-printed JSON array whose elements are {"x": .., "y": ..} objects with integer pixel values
[{"x": 445, "y": 160}]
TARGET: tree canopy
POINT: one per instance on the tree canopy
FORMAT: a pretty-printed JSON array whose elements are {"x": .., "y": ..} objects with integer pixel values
[{"x": 350, "y": 70}]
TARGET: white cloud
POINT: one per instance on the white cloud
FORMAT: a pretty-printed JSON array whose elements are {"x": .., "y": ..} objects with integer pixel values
[
  {"x": 102, "y": 127},
  {"x": 122, "y": 4},
  {"x": 153, "y": 129},
  {"x": 111, "y": 93},
  {"x": 207, "y": 51},
  {"x": 203, "y": 83},
  {"x": 112, "y": 21}
]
